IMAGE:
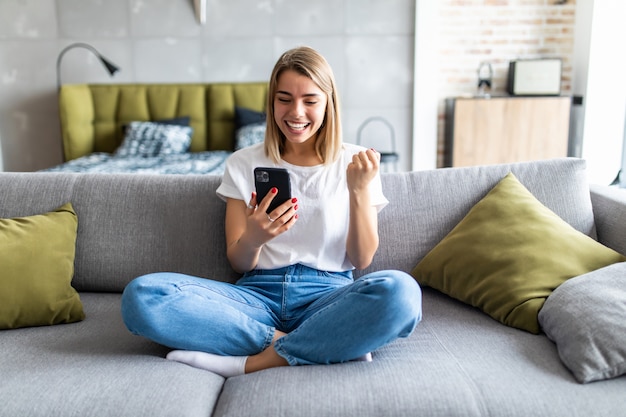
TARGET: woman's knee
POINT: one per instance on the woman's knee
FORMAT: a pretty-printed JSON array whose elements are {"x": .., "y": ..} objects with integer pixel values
[
  {"x": 138, "y": 299},
  {"x": 400, "y": 296},
  {"x": 141, "y": 288}
]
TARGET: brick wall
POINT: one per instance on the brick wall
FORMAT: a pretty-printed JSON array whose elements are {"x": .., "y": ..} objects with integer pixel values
[{"x": 498, "y": 31}]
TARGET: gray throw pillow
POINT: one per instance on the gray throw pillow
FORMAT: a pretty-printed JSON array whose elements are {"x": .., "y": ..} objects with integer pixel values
[{"x": 586, "y": 318}]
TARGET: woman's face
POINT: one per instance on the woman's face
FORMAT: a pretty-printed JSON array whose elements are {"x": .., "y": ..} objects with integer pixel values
[{"x": 299, "y": 106}]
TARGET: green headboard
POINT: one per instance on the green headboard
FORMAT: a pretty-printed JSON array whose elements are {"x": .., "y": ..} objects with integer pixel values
[{"x": 93, "y": 115}]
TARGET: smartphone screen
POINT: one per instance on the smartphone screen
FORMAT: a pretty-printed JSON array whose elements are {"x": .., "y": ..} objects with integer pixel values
[{"x": 267, "y": 178}]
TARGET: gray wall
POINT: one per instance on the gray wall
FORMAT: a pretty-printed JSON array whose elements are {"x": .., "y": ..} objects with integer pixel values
[{"x": 369, "y": 43}]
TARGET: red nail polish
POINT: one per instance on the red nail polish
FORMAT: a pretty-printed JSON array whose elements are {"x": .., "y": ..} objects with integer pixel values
[
  {"x": 274, "y": 190},
  {"x": 295, "y": 207},
  {"x": 294, "y": 200},
  {"x": 296, "y": 216}
]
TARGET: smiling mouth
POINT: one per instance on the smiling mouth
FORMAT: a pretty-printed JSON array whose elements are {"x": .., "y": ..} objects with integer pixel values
[{"x": 297, "y": 126}]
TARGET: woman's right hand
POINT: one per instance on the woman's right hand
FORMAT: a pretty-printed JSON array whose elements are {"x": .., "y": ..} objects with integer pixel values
[
  {"x": 264, "y": 226},
  {"x": 249, "y": 227}
]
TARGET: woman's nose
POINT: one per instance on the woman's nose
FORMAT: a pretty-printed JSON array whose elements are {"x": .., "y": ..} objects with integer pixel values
[{"x": 297, "y": 108}]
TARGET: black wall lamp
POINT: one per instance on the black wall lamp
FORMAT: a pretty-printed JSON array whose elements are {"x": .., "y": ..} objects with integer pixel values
[{"x": 111, "y": 68}]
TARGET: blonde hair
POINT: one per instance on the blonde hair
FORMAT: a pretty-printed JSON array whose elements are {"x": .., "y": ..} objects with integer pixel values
[{"x": 310, "y": 63}]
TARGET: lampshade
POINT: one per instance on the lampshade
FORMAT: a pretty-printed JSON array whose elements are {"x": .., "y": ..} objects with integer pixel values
[{"x": 111, "y": 68}]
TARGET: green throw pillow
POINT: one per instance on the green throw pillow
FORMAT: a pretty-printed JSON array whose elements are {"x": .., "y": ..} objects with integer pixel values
[
  {"x": 36, "y": 269},
  {"x": 508, "y": 254}
]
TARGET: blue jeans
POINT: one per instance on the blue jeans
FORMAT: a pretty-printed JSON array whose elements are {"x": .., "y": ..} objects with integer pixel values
[{"x": 328, "y": 317}]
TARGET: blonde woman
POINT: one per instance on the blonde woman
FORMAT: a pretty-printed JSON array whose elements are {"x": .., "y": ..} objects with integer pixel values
[{"x": 297, "y": 302}]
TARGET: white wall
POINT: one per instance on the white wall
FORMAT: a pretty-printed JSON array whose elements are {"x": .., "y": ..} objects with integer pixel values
[
  {"x": 600, "y": 77},
  {"x": 369, "y": 44}
]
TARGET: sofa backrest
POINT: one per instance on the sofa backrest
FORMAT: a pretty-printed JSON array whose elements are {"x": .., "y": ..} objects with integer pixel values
[
  {"x": 93, "y": 115},
  {"x": 131, "y": 224},
  {"x": 425, "y": 206}
]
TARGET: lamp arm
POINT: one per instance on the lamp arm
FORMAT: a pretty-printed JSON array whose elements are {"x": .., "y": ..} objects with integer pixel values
[{"x": 112, "y": 69}]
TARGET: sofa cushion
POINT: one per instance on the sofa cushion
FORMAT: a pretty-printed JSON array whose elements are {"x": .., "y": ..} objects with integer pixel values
[
  {"x": 586, "y": 318},
  {"x": 508, "y": 254},
  {"x": 148, "y": 139},
  {"x": 190, "y": 238},
  {"x": 37, "y": 263},
  {"x": 97, "y": 368},
  {"x": 458, "y": 362}
]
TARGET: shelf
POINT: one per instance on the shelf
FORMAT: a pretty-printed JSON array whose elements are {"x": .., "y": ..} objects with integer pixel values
[{"x": 500, "y": 130}]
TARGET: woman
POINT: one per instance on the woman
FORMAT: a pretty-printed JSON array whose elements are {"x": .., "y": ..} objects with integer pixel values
[{"x": 297, "y": 302}]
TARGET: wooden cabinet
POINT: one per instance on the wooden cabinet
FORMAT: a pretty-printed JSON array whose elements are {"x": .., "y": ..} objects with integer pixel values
[{"x": 505, "y": 129}]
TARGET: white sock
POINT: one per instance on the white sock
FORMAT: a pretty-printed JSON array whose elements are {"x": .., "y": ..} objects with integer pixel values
[
  {"x": 225, "y": 366},
  {"x": 365, "y": 358}
]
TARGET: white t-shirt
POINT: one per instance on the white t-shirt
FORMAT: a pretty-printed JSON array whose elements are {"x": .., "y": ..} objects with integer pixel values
[{"x": 318, "y": 238}]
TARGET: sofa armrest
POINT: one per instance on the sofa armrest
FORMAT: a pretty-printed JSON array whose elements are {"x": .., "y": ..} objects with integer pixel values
[{"x": 609, "y": 210}]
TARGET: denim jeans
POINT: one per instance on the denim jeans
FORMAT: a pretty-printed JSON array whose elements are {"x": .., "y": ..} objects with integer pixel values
[{"x": 328, "y": 317}]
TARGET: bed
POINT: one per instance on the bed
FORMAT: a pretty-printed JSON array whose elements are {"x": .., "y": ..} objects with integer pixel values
[{"x": 158, "y": 128}]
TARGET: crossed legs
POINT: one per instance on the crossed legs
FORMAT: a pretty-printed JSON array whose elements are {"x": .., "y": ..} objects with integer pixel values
[{"x": 224, "y": 329}]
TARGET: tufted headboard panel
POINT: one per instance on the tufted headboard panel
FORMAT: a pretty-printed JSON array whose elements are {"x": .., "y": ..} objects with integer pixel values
[{"x": 93, "y": 115}]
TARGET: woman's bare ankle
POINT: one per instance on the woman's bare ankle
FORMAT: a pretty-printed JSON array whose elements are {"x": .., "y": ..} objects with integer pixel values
[
  {"x": 269, "y": 358},
  {"x": 277, "y": 335},
  {"x": 264, "y": 360}
]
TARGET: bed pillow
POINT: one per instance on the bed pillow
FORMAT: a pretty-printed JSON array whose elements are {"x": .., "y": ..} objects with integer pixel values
[
  {"x": 179, "y": 121},
  {"x": 149, "y": 139},
  {"x": 37, "y": 264},
  {"x": 245, "y": 117},
  {"x": 249, "y": 135},
  {"x": 508, "y": 254},
  {"x": 586, "y": 318}
]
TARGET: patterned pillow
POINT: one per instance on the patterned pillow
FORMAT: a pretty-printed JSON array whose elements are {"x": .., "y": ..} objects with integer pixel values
[
  {"x": 148, "y": 139},
  {"x": 180, "y": 121},
  {"x": 249, "y": 135}
]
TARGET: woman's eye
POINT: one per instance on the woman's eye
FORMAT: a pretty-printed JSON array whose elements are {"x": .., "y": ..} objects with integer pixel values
[
  {"x": 311, "y": 102},
  {"x": 283, "y": 100}
]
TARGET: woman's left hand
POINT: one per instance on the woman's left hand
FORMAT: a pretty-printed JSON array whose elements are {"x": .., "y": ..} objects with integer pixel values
[
  {"x": 362, "y": 239},
  {"x": 362, "y": 170}
]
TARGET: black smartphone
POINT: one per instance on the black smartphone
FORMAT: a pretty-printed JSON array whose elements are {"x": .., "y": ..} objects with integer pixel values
[{"x": 267, "y": 178}]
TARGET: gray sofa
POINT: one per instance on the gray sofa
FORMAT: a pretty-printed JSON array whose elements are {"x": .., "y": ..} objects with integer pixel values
[{"x": 458, "y": 362}]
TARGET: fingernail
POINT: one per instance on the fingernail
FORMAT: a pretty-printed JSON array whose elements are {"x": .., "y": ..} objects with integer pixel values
[
  {"x": 295, "y": 207},
  {"x": 274, "y": 190},
  {"x": 296, "y": 216},
  {"x": 294, "y": 200}
]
